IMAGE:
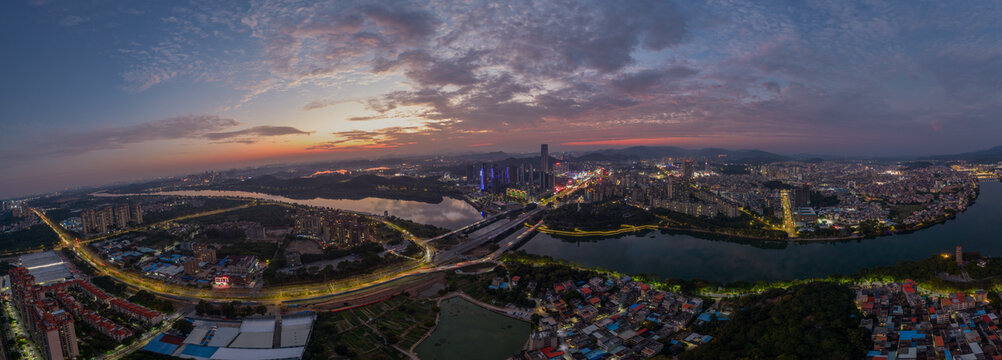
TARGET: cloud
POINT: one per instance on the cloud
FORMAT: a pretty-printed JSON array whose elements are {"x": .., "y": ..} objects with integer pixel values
[
  {"x": 251, "y": 135},
  {"x": 323, "y": 38},
  {"x": 482, "y": 71},
  {"x": 358, "y": 140},
  {"x": 642, "y": 81},
  {"x": 71, "y": 20},
  {"x": 319, "y": 104},
  {"x": 181, "y": 127}
]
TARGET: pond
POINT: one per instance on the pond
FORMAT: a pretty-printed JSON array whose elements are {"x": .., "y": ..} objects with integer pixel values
[{"x": 468, "y": 331}]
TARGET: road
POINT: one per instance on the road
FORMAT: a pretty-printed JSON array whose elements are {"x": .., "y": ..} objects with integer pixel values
[
  {"x": 27, "y": 349},
  {"x": 271, "y": 295},
  {"x": 185, "y": 217},
  {"x": 471, "y": 244},
  {"x": 140, "y": 343},
  {"x": 567, "y": 191},
  {"x": 788, "y": 225}
]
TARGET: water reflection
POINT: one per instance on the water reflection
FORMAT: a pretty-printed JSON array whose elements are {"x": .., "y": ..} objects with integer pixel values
[
  {"x": 451, "y": 213},
  {"x": 685, "y": 256}
]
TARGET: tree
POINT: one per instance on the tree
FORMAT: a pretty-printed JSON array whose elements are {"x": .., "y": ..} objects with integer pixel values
[
  {"x": 340, "y": 349},
  {"x": 183, "y": 326},
  {"x": 230, "y": 309},
  {"x": 203, "y": 308}
]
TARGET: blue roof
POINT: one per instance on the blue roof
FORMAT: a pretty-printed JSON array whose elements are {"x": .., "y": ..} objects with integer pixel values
[
  {"x": 704, "y": 317},
  {"x": 595, "y": 354},
  {"x": 199, "y": 351},
  {"x": 910, "y": 334},
  {"x": 612, "y": 327},
  {"x": 707, "y": 338},
  {"x": 872, "y": 353},
  {"x": 980, "y": 312},
  {"x": 947, "y": 353},
  {"x": 635, "y": 306},
  {"x": 160, "y": 347}
]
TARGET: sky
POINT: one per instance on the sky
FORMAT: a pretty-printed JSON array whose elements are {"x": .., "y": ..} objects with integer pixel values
[{"x": 102, "y": 91}]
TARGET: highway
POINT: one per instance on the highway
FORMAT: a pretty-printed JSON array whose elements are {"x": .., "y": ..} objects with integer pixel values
[
  {"x": 272, "y": 295},
  {"x": 507, "y": 246},
  {"x": 788, "y": 225},
  {"x": 471, "y": 244}
]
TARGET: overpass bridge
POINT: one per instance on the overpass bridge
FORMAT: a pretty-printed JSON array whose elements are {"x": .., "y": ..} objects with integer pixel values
[
  {"x": 445, "y": 256},
  {"x": 471, "y": 227}
]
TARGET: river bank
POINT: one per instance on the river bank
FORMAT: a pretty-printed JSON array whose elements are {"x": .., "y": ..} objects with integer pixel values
[
  {"x": 631, "y": 228},
  {"x": 683, "y": 255},
  {"x": 450, "y": 213}
]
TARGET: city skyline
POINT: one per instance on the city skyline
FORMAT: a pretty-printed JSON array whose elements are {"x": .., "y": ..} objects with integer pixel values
[{"x": 113, "y": 92}]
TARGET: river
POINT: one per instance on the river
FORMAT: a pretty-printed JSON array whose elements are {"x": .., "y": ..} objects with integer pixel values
[
  {"x": 687, "y": 257},
  {"x": 451, "y": 213}
]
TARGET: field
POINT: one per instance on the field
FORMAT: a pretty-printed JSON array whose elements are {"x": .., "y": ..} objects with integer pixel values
[{"x": 369, "y": 331}]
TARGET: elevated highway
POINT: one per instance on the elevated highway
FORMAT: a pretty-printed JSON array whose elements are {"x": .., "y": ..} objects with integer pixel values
[{"x": 448, "y": 255}]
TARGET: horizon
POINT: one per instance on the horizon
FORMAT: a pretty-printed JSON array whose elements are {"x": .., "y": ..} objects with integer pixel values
[
  {"x": 121, "y": 91},
  {"x": 793, "y": 157}
]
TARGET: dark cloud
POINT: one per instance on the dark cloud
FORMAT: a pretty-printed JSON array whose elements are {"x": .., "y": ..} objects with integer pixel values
[
  {"x": 409, "y": 25},
  {"x": 322, "y": 38},
  {"x": 428, "y": 70},
  {"x": 567, "y": 35},
  {"x": 772, "y": 86},
  {"x": 642, "y": 81},
  {"x": 970, "y": 76},
  {"x": 364, "y": 118},
  {"x": 252, "y": 134}
]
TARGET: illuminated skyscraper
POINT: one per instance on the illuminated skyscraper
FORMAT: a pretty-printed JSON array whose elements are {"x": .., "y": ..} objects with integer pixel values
[
  {"x": 544, "y": 167},
  {"x": 544, "y": 158}
]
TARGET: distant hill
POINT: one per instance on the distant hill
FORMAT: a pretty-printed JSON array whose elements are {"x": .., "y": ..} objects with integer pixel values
[
  {"x": 989, "y": 156},
  {"x": 654, "y": 152}
]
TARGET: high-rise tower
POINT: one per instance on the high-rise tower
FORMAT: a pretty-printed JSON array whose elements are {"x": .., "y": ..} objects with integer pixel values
[
  {"x": 544, "y": 158},
  {"x": 544, "y": 167}
]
